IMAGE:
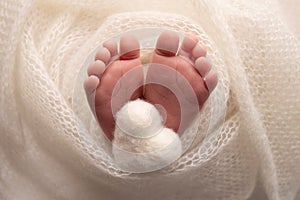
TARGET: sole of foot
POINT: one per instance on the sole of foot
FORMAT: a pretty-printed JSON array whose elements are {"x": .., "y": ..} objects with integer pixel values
[{"x": 183, "y": 67}]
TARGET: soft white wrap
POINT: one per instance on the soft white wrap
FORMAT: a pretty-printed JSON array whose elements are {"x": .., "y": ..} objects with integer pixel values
[{"x": 48, "y": 152}]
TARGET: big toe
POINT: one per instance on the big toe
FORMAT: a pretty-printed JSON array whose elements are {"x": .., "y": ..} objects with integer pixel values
[
  {"x": 129, "y": 47},
  {"x": 167, "y": 44}
]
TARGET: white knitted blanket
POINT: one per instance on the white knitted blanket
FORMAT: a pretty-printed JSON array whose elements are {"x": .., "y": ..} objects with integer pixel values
[{"x": 48, "y": 151}]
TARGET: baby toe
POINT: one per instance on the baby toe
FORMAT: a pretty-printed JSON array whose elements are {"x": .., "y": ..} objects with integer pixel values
[
  {"x": 211, "y": 80},
  {"x": 90, "y": 84}
]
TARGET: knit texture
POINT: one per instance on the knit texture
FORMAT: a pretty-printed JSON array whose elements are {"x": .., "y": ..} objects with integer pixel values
[{"x": 48, "y": 152}]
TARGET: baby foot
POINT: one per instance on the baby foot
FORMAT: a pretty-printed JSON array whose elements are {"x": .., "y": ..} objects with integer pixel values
[
  {"x": 105, "y": 80},
  {"x": 191, "y": 63}
]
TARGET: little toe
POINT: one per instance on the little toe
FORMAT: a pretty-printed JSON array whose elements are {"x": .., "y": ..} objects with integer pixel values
[
  {"x": 167, "y": 44},
  {"x": 96, "y": 68},
  {"x": 90, "y": 85},
  {"x": 103, "y": 54},
  {"x": 112, "y": 47},
  {"x": 203, "y": 66},
  {"x": 211, "y": 81},
  {"x": 129, "y": 47}
]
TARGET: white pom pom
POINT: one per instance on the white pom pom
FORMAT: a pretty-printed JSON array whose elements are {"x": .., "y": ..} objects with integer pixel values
[
  {"x": 139, "y": 119},
  {"x": 141, "y": 143}
]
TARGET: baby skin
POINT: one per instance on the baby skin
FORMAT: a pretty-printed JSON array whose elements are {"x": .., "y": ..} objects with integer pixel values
[{"x": 106, "y": 80}]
